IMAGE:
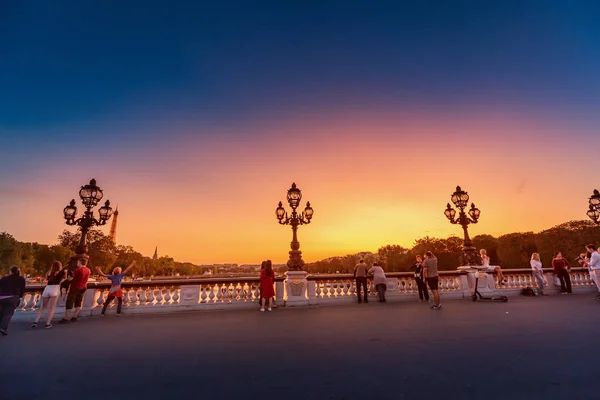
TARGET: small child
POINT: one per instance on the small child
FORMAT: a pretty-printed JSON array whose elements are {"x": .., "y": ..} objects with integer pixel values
[{"x": 115, "y": 291}]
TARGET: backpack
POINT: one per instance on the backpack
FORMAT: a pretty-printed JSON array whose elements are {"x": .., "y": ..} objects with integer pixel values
[{"x": 527, "y": 292}]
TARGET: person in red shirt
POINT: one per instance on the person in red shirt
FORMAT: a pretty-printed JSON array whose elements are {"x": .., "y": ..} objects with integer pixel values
[
  {"x": 77, "y": 289},
  {"x": 560, "y": 269}
]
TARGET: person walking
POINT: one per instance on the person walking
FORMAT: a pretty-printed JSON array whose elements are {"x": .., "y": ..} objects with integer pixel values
[
  {"x": 537, "y": 271},
  {"x": 593, "y": 264},
  {"x": 420, "y": 279},
  {"x": 115, "y": 291},
  {"x": 380, "y": 281},
  {"x": 360, "y": 275},
  {"x": 267, "y": 280},
  {"x": 560, "y": 269},
  {"x": 50, "y": 294},
  {"x": 76, "y": 291},
  {"x": 12, "y": 290},
  {"x": 430, "y": 271}
]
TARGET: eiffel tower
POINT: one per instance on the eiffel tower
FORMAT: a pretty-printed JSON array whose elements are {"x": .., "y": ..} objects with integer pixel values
[{"x": 113, "y": 226}]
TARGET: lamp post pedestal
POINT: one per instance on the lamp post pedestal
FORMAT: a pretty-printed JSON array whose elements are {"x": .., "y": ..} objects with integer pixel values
[
  {"x": 296, "y": 286},
  {"x": 470, "y": 256}
]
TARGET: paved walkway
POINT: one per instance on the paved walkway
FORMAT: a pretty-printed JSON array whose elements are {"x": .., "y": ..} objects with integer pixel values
[{"x": 528, "y": 348}]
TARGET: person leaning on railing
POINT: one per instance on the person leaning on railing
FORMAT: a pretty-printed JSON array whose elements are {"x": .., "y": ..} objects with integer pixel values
[
  {"x": 560, "y": 266},
  {"x": 537, "y": 271}
]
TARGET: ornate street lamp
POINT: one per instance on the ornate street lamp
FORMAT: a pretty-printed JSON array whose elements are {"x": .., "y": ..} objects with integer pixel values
[
  {"x": 294, "y": 195},
  {"x": 90, "y": 195},
  {"x": 594, "y": 210},
  {"x": 460, "y": 198}
]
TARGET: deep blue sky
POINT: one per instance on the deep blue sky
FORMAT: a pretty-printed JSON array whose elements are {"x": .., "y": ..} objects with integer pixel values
[
  {"x": 96, "y": 64},
  {"x": 196, "y": 115}
]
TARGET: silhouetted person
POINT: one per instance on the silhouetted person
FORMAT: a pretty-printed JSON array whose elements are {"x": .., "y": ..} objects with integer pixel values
[
  {"x": 430, "y": 270},
  {"x": 360, "y": 274},
  {"x": 12, "y": 290},
  {"x": 379, "y": 280},
  {"x": 420, "y": 279}
]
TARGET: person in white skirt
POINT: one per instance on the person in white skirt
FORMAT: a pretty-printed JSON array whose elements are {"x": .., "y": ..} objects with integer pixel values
[{"x": 51, "y": 293}]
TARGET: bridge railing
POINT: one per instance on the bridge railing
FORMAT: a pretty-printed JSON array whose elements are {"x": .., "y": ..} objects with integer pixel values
[{"x": 187, "y": 294}]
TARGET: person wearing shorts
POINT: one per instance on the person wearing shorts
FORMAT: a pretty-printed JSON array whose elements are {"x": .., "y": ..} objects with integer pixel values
[
  {"x": 50, "y": 293},
  {"x": 76, "y": 291},
  {"x": 115, "y": 291},
  {"x": 430, "y": 271}
]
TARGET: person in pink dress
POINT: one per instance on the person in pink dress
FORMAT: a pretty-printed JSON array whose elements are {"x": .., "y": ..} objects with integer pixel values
[{"x": 267, "y": 279}]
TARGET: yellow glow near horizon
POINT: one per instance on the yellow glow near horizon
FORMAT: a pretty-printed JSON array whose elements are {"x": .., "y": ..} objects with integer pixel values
[{"x": 370, "y": 185}]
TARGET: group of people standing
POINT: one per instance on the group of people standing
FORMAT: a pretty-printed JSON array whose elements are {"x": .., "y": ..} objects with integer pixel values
[
  {"x": 425, "y": 274},
  {"x": 59, "y": 281},
  {"x": 589, "y": 260}
]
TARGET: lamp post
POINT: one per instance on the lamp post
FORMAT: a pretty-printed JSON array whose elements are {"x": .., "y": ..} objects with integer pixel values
[
  {"x": 295, "y": 283},
  {"x": 460, "y": 199},
  {"x": 294, "y": 195},
  {"x": 594, "y": 210},
  {"x": 90, "y": 195}
]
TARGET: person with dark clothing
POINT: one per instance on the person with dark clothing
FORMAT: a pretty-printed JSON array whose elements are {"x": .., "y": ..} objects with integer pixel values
[
  {"x": 12, "y": 290},
  {"x": 560, "y": 269},
  {"x": 360, "y": 274},
  {"x": 419, "y": 279},
  {"x": 64, "y": 286},
  {"x": 430, "y": 270}
]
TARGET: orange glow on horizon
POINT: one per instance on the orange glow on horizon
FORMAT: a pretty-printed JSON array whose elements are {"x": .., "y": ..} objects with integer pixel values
[{"x": 370, "y": 184}]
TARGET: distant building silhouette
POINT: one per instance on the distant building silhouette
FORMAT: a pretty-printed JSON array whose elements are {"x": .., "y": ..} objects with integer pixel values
[
  {"x": 155, "y": 256},
  {"x": 113, "y": 226}
]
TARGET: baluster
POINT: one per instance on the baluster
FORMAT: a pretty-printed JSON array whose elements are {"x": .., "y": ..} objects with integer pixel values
[
  {"x": 150, "y": 296},
  {"x": 338, "y": 289},
  {"x": 219, "y": 292},
  {"x": 101, "y": 299},
  {"x": 133, "y": 297},
  {"x": 176, "y": 295},
  {"x": 31, "y": 302},
  {"x": 346, "y": 288},
  {"x": 159, "y": 297},
  {"x": 318, "y": 291},
  {"x": 142, "y": 296},
  {"x": 231, "y": 292},
  {"x": 211, "y": 293},
  {"x": 22, "y": 302},
  {"x": 125, "y": 297}
]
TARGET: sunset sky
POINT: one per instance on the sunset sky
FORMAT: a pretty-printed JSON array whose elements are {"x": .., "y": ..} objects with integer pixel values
[{"x": 196, "y": 119}]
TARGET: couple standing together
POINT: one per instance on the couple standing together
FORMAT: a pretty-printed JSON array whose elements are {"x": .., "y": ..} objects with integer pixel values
[{"x": 426, "y": 274}]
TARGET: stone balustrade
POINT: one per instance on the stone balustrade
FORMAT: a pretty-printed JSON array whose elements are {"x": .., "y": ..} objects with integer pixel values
[{"x": 199, "y": 294}]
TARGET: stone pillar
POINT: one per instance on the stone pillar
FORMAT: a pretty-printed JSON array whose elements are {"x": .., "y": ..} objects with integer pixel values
[
  {"x": 296, "y": 287},
  {"x": 279, "y": 292},
  {"x": 190, "y": 295}
]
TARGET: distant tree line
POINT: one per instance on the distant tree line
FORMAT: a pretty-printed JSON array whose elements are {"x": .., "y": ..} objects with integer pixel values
[
  {"x": 35, "y": 259},
  {"x": 512, "y": 250}
]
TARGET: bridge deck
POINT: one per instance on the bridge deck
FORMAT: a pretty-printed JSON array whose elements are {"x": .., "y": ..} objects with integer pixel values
[{"x": 527, "y": 348}]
